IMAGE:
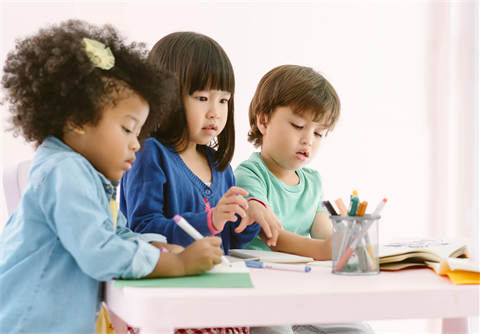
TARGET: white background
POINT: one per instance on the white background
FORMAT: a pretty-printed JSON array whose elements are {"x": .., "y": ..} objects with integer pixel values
[{"x": 406, "y": 73}]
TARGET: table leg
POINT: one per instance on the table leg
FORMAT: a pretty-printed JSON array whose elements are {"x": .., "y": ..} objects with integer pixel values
[{"x": 455, "y": 325}]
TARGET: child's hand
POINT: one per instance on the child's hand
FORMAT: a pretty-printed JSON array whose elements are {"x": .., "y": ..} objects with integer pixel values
[
  {"x": 228, "y": 206},
  {"x": 175, "y": 249},
  {"x": 201, "y": 256},
  {"x": 265, "y": 217}
]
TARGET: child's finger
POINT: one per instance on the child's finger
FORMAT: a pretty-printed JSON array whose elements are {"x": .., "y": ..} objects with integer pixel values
[
  {"x": 214, "y": 241},
  {"x": 243, "y": 224},
  {"x": 236, "y": 191},
  {"x": 239, "y": 200},
  {"x": 232, "y": 209},
  {"x": 265, "y": 226},
  {"x": 218, "y": 252},
  {"x": 274, "y": 237}
]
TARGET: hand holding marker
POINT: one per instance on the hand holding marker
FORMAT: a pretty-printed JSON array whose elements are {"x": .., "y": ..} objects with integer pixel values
[
  {"x": 359, "y": 237},
  {"x": 194, "y": 233}
]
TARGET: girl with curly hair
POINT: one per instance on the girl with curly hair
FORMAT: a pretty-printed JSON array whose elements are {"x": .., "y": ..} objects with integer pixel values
[{"x": 82, "y": 96}]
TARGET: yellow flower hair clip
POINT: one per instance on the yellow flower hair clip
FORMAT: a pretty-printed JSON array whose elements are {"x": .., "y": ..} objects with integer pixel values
[{"x": 99, "y": 55}]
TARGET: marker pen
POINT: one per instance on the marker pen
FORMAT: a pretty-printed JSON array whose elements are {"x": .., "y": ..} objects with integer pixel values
[
  {"x": 348, "y": 233},
  {"x": 280, "y": 266},
  {"x": 353, "y": 207},
  {"x": 330, "y": 208}
]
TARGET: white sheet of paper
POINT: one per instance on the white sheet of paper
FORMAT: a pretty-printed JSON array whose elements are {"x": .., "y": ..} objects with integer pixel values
[{"x": 237, "y": 267}]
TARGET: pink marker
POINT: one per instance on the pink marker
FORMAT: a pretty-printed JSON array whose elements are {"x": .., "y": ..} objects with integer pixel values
[{"x": 359, "y": 237}]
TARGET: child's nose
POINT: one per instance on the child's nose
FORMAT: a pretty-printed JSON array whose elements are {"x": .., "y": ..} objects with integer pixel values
[
  {"x": 213, "y": 112},
  {"x": 307, "y": 139},
  {"x": 135, "y": 144}
]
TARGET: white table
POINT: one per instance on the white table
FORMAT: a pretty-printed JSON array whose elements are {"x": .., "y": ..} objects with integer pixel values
[{"x": 283, "y": 297}]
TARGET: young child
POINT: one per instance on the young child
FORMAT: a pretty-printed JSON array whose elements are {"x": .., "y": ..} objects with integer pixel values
[
  {"x": 292, "y": 110},
  {"x": 82, "y": 96},
  {"x": 178, "y": 171}
]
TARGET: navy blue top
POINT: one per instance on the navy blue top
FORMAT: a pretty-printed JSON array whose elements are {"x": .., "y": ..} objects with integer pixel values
[{"x": 160, "y": 185}]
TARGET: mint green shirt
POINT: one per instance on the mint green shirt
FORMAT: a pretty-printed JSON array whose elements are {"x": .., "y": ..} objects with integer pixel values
[{"x": 295, "y": 206}]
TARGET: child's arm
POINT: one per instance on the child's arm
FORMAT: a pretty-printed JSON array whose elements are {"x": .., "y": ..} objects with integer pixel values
[
  {"x": 78, "y": 214},
  {"x": 248, "y": 176},
  {"x": 321, "y": 227},
  {"x": 156, "y": 240},
  {"x": 292, "y": 243}
]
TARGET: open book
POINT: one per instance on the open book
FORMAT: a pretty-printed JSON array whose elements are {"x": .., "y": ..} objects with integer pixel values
[
  {"x": 265, "y": 256},
  {"x": 399, "y": 253}
]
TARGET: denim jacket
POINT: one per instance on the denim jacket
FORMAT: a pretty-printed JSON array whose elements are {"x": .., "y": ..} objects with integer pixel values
[{"x": 59, "y": 245}]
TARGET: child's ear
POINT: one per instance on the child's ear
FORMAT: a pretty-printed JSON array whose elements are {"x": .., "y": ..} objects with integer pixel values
[
  {"x": 71, "y": 126},
  {"x": 262, "y": 123}
]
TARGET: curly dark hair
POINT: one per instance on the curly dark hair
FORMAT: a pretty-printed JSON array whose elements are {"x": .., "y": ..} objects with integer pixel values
[{"x": 49, "y": 79}]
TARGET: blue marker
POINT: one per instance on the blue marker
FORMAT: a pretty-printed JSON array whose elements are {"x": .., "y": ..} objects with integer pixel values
[{"x": 280, "y": 266}]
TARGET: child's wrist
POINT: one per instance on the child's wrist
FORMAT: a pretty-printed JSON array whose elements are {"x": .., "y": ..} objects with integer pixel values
[
  {"x": 256, "y": 200},
  {"x": 323, "y": 254},
  {"x": 210, "y": 223}
]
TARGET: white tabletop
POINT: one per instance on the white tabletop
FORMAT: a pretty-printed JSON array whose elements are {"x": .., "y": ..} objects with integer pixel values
[{"x": 283, "y": 297}]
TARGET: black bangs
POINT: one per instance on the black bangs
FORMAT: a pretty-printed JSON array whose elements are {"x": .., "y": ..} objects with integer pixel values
[{"x": 210, "y": 68}]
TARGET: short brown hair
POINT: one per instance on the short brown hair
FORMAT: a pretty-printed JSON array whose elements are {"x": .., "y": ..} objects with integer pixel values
[{"x": 298, "y": 87}]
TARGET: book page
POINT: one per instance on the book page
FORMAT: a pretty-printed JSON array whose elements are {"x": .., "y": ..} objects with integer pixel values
[
  {"x": 236, "y": 267},
  {"x": 401, "y": 265},
  {"x": 440, "y": 248}
]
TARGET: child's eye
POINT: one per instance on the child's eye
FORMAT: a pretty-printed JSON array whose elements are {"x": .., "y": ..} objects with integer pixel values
[
  {"x": 201, "y": 98},
  {"x": 318, "y": 135},
  {"x": 223, "y": 101},
  {"x": 126, "y": 130},
  {"x": 296, "y": 126}
]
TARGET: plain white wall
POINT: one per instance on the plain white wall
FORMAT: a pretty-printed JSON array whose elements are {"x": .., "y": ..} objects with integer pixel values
[{"x": 385, "y": 60}]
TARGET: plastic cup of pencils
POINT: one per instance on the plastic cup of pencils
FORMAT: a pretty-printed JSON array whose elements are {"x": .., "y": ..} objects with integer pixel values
[{"x": 355, "y": 245}]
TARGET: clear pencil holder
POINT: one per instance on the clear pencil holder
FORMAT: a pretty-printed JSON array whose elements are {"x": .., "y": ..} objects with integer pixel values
[{"x": 355, "y": 245}]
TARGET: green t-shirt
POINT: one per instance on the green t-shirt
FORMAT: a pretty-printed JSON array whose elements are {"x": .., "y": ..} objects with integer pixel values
[{"x": 295, "y": 206}]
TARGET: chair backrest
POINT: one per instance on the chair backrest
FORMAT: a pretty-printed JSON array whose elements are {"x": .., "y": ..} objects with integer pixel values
[{"x": 14, "y": 180}]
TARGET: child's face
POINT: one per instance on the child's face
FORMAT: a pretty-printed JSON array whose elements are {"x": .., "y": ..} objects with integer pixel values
[
  {"x": 290, "y": 140},
  {"x": 207, "y": 113},
  {"x": 110, "y": 145}
]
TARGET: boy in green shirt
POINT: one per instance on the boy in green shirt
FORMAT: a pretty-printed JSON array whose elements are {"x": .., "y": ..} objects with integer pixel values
[{"x": 292, "y": 110}]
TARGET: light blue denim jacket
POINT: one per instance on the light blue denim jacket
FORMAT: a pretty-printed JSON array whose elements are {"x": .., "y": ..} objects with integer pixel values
[{"x": 59, "y": 245}]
